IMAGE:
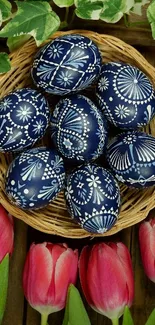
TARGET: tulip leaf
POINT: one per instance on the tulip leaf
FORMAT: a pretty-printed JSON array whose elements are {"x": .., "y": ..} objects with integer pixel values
[
  {"x": 5, "y": 64},
  {"x": 75, "y": 312},
  {"x": 63, "y": 3},
  {"x": 127, "y": 317},
  {"x": 151, "y": 319},
  {"x": 151, "y": 17},
  {"x": 34, "y": 18},
  {"x": 4, "y": 275}
]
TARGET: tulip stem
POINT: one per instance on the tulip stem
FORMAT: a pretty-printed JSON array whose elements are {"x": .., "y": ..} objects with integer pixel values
[
  {"x": 115, "y": 321},
  {"x": 44, "y": 318}
]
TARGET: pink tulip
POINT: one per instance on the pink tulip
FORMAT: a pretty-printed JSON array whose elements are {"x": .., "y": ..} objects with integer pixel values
[
  {"x": 107, "y": 279},
  {"x": 6, "y": 233},
  {"x": 147, "y": 247},
  {"x": 48, "y": 271}
]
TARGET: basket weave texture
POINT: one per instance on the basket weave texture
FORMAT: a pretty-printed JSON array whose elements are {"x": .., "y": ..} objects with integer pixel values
[{"x": 54, "y": 219}]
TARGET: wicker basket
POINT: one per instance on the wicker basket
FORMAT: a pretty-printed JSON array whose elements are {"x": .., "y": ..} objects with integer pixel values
[{"x": 54, "y": 219}]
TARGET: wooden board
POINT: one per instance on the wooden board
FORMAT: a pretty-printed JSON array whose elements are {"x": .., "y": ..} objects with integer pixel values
[{"x": 18, "y": 312}]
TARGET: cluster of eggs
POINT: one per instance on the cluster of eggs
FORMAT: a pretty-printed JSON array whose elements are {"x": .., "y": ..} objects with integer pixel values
[{"x": 79, "y": 130}]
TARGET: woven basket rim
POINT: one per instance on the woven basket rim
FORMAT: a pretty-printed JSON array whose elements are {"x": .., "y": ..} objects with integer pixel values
[{"x": 139, "y": 202}]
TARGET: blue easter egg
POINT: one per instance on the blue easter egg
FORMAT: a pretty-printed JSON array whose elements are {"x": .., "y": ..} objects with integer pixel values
[
  {"x": 125, "y": 95},
  {"x": 67, "y": 64},
  {"x": 93, "y": 198},
  {"x": 24, "y": 117},
  {"x": 131, "y": 157},
  {"x": 78, "y": 129},
  {"x": 34, "y": 178}
]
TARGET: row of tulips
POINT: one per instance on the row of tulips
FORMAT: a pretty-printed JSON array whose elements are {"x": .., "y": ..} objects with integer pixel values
[{"x": 105, "y": 272}]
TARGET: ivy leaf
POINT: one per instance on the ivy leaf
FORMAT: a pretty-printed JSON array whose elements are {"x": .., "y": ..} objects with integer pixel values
[
  {"x": 35, "y": 18},
  {"x": 127, "y": 318},
  {"x": 5, "y": 10},
  {"x": 63, "y": 3},
  {"x": 5, "y": 64},
  {"x": 137, "y": 8},
  {"x": 151, "y": 319},
  {"x": 110, "y": 11},
  {"x": 75, "y": 312},
  {"x": 114, "y": 10},
  {"x": 151, "y": 17},
  {"x": 14, "y": 43},
  {"x": 89, "y": 9},
  {"x": 4, "y": 275}
]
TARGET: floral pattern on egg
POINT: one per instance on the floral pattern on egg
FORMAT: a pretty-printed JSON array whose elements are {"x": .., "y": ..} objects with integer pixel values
[
  {"x": 78, "y": 129},
  {"x": 126, "y": 95},
  {"x": 34, "y": 178},
  {"x": 67, "y": 64},
  {"x": 93, "y": 198},
  {"x": 24, "y": 117},
  {"x": 131, "y": 157}
]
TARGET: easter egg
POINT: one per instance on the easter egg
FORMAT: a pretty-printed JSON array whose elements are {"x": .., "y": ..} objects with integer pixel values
[
  {"x": 125, "y": 95},
  {"x": 131, "y": 157},
  {"x": 93, "y": 198},
  {"x": 24, "y": 117},
  {"x": 78, "y": 129},
  {"x": 67, "y": 64},
  {"x": 34, "y": 178}
]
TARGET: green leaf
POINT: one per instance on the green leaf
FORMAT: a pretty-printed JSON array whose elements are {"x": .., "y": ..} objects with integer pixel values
[
  {"x": 127, "y": 318},
  {"x": 75, "y": 313},
  {"x": 137, "y": 8},
  {"x": 89, "y": 9},
  {"x": 63, "y": 3},
  {"x": 151, "y": 17},
  {"x": 34, "y": 18},
  {"x": 4, "y": 275},
  {"x": 14, "y": 43},
  {"x": 151, "y": 319},
  {"x": 110, "y": 11},
  {"x": 5, "y": 64},
  {"x": 114, "y": 10},
  {"x": 5, "y": 10}
]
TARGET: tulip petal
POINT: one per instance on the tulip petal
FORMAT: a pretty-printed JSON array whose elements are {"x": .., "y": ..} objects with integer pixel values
[
  {"x": 65, "y": 273},
  {"x": 125, "y": 259},
  {"x": 147, "y": 248},
  {"x": 6, "y": 233},
  {"x": 83, "y": 267},
  {"x": 37, "y": 274},
  {"x": 106, "y": 284},
  {"x": 55, "y": 250}
]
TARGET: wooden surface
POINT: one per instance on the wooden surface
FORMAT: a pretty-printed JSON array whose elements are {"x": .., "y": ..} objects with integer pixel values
[{"x": 18, "y": 312}]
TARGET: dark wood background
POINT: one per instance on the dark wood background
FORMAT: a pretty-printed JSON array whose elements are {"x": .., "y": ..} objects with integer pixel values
[{"x": 18, "y": 312}]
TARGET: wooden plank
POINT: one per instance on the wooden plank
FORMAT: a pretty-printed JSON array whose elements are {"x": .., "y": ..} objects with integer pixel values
[{"x": 15, "y": 301}]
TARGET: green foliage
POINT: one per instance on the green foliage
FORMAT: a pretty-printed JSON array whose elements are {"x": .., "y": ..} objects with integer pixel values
[
  {"x": 5, "y": 64},
  {"x": 63, "y": 3},
  {"x": 5, "y": 10},
  {"x": 114, "y": 10},
  {"x": 35, "y": 18},
  {"x": 14, "y": 43},
  {"x": 89, "y": 9},
  {"x": 151, "y": 319},
  {"x": 75, "y": 313},
  {"x": 4, "y": 274},
  {"x": 137, "y": 8},
  {"x": 127, "y": 318},
  {"x": 151, "y": 17}
]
